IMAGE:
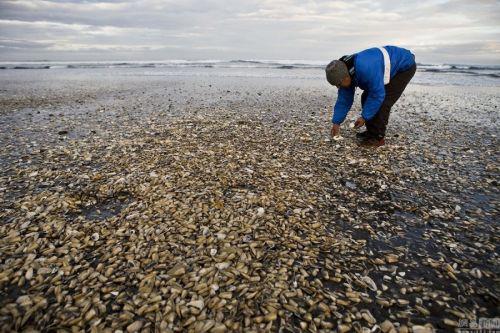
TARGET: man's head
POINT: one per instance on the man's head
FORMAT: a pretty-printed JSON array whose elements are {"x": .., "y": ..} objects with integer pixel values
[{"x": 337, "y": 74}]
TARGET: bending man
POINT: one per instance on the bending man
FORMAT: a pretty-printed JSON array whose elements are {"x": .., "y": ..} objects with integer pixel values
[{"x": 382, "y": 73}]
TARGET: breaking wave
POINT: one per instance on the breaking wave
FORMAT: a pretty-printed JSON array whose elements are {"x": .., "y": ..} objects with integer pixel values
[{"x": 476, "y": 70}]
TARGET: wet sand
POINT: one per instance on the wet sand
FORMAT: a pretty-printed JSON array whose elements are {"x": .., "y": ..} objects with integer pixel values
[{"x": 213, "y": 204}]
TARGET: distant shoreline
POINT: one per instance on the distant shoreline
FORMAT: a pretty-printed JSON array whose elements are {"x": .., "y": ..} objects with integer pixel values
[
  {"x": 428, "y": 74},
  {"x": 283, "y": 64}
]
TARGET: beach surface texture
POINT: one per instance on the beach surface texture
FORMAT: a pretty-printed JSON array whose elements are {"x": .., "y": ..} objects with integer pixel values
[{"x": 135, "y": 200}]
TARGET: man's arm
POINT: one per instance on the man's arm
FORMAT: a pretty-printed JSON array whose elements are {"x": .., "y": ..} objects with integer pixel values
[
  {"x": 343, "y": 104},
  {"x": 374, "y": 100}
]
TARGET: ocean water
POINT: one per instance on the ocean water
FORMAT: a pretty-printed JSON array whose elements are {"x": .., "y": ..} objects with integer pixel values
[{"x": 427, "y": 74}]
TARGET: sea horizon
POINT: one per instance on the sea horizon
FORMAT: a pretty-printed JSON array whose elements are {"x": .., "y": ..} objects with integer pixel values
[{"x": 249, "y": 60}]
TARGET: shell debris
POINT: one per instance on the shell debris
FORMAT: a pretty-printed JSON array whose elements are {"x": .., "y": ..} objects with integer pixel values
[{"x": 168, "y": 205}]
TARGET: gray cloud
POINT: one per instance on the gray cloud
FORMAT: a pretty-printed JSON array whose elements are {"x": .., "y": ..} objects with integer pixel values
[
  {"x": 19, "y": 44},
  {"x": 457, "y": 31}
]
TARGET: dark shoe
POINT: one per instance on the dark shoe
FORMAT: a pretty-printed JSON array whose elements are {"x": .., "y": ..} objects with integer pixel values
[
  {"x": 372, "y": 142},
  {"x": 364, "y": 135}
]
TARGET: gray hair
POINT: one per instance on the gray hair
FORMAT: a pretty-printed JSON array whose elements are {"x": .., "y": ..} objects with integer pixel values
[{"x": 336, "y": 71}]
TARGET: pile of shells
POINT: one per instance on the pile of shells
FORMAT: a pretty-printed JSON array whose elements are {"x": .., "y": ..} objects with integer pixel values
[{"x": 239, "y": 216}]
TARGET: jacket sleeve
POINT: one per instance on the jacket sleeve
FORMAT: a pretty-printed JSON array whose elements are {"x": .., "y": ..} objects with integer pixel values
[
  {"x": 374, "y": 100},
  {"x": 343, "y": 104}
]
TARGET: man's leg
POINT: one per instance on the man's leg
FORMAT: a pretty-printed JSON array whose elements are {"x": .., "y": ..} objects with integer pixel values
[{"x": 393, "y": 91}]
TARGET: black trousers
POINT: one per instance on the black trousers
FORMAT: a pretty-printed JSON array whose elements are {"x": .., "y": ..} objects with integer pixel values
[{"x": 377, "y": 125}]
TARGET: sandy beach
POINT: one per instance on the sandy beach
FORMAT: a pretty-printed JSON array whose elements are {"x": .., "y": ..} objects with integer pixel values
[{"x": 214, "y": 204}]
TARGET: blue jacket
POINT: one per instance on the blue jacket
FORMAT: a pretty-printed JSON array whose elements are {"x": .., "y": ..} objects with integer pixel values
[{"x": 369, "y": 76}]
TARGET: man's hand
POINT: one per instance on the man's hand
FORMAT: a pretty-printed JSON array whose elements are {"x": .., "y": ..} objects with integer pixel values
[
  {"x": 335, "y": 130},
  {"x": 359, "y": 122}
]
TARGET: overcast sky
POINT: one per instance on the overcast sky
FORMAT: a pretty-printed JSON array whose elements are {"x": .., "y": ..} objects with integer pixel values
[{"x": 437, "y": 31}]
